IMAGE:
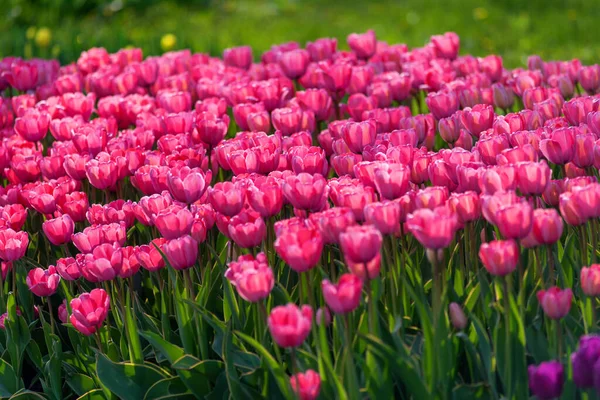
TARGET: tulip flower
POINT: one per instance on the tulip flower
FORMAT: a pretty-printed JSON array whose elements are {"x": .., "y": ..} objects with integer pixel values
[
  {"x": 300, "y": 249},
  {"x": 43, "y": 283},
  {"x": 182, "y": 252},
  {"x": 290, "y": 325},
  {"x": 434, "y": 229},
  {"x": 343, "y": 297},
  {"x": 89, "y": 311},
  {"x": 546, "y": 380},
  {"x": 499, "y": 257},
  {"x": 306, "y": 385},
  {"x": 555, "y": 302},
  {"x": 59, "y": 230},
  {"x": 13, "y": 245}
]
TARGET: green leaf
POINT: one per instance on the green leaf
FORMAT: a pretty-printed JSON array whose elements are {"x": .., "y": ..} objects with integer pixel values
[
  {"x": 96, "y": 394},
  {"x": 81, "y": 383},
  {"x": 168, "y": 388},
  {"x": 278, "y": 373},
  {"x": 8, "y": 379},
  {"x": 126, "y": 380},
  {"x": 193, "y": 379}
]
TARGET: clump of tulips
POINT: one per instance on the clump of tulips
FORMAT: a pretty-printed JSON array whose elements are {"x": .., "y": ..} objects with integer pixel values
[{"x": 379, "y": 222}]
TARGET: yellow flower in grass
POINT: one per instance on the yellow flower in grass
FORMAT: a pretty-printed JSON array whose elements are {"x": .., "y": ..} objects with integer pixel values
[
  {"x": 168, "y": 42},
  {"x": 43, "y": 37}
]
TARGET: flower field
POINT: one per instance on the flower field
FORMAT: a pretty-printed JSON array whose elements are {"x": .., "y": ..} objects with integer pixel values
[{"x": 385, "y": 222}]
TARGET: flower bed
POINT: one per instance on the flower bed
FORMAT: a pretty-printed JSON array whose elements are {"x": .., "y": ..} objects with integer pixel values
[{"x": 382, "y": 222}]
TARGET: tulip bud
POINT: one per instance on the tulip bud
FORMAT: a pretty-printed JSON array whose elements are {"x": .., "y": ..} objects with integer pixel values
[{"x": 457, "y": 317}]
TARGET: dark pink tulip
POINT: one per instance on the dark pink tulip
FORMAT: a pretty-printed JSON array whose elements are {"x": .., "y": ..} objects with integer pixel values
[
  {"x": 290, "y": 325},
  {"x": 442, "y": 173},
  {"x": 266, "y": 198},
  {"x": 331, "y": 223},
  {"x": 363, "y": 44},
  {"x": 300, "y": 249},
  {"x": 227, "y": 198},
  {"x": 312, "y": 160},
  {"x": 287, "y": 120},
  {"x": 503, "y": 96},
  {"x": 101, "y": 174},
  {"x": 450, "y": 128},
  {"x": 294, "y": 62},
  {"x": 446, "y": 45},
  {"x": 466, "y": 205},
  {"x": 357, "y": 135},
  {"x": 354, "y": 197},
  {"x": 247, "y": 229},
  {"x": 13, "y": 245},
  {"x": 555, "y": 302},
  {"x": 391, "y": 180},
  {"x": 477, "y": 119},
  {"x": 590, "y": 280},
  {"x": 306, "y": 192},
  {"x": 182, "y": 252},
  {"x": 174, "y": 222},
  {"x": 59, "y": 230},
  {"x": 43, "y": 283},
  {"x": 89, "y": 310},
  {"x": 360, "y": 244},
  {"x": 322, "y": 49},
  {"x": 306, "y": 385},
  {"x": 533, "y": 177},
  {"x": 240, "y": 57},
  {"x": 515, "y": 155},
  {"x": 252, "y": 277},
  {"x": 33, "y": 125},
  {"x": 188, "y": 184},
  {"x": 500, "y": 178},
  {"x": 514, "y": 221},
  {"x": 14, "y": 215},
  {"x": 68, "y": 269},
  {"x": 442, "y": 104},
  {"x": 343, "y": 297},
  {"x": 589, "y": 78},
  {"x": 316, "y": 100},
  {"x": 343, "y": 164},
  {"x": 547, "y": 226},
  {"x": 584, "y": 150},
  {"x": 149, "y": 256},
  {"x": 499, "y": 257},
  {"x": 560, "y": 147},
  {"x": 22, "y": 75},
  {"x": 434, "y": 229}
]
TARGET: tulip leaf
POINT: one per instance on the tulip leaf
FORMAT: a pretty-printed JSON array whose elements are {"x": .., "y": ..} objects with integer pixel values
[
  {"x": 192, "y": 378},
  {"x": 81, "y": 384},
  {"x": 276, "y": 369},
  {"x": 8, "y": 379},
  {"x": 126, "y": 380},
  {"x": 96, "y": 394},
  {"x": 168, "y": 388}
]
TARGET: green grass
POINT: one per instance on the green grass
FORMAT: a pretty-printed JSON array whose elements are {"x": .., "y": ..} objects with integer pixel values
[{"x": 512, "y": 28}]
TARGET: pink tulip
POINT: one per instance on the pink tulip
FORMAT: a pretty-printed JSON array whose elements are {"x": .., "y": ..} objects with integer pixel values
[
  {"x": 89, "y": 311},
  {"x": 343, "y": 297},
  {"x": 499, "y": 257},
  {"x": 555, "y": 302},
  {"x": 289, "y": 325}
]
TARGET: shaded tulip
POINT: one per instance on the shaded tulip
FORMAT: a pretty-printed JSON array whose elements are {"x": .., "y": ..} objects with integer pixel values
[
  {"x": 343, "y": 297},
  {"x": 590, "y": 280},
  {"x": 13, "y": 245},
  {"x": 59, "y": 230},
  {"x": 546, "y": 380},
  {"x": 434, "y": 229},
  {"x": 547, "y": 225},
  {"x": 247, "y": 229},
  {"x": 182, "y": 252},
  {"x": 514, "y": 221},
  {"x": 457, "y": 316},
  {"x": 499, "y": 257},
  {"x": 300, "y": 249},
  {"x": 290, "y": 325},
  {"x": 555, "y": 302}
]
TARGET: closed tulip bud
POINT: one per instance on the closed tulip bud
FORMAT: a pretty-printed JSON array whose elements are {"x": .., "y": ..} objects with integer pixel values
[
  {"x": 43, "y": 283},
  {"x": 391, "y": 180},
  {"x": 187, "y": 184},
  {"x": 434, "y": 229},
  {"x": 547, "y": 225},
  {"x": 560, "y": 148},
  {"x": 333, "y": 222},
  {"x": 450, "y": 128},
  {"x": 499, "y": 257},
  {"x": 590, "y": 280},
  {"x": 259, "y": 121},
  {"x": 571, "y": 210},
  {"x": 287, "y": 120},
  {"x": 357, "y": 135},
  {"x": 442, "y": 104},
  {"x": 384, "y": 216},
  {"x": 300, "y": 249},
  {"x": 477, "y": 119},
  {"x": 211, "y": 130},
  {"x": 503, "y": 96},
  {"x": 555, "y": 302},
  {"x": 240, "y": 57},
  {"x": 457, "y": 317},
  {"x": 360, "y": 244},
  {"x": 323, "y": 316},
  {"x": 446, "y": 45},
  {"x": 89, "y": 310},
  {"x": 466, "y": 205},
  {"x": 306, "y": 385},
  {"x": 182, "y": 252},
  {"x": 546, "y": 380},
  {"x": 589, "y": 78},
  {"x": 514, "y": 221},
  {"x": 363, "y": 45},
  {"x": 254, "y": 285},
  {"x": 294, "y": 62},
  {"x": 59, "y": 230},
  {"x": 63, "y": 314},
  {"x": 533, "y": 177},
  {"x": 289, "y": 325},
  {"x": 343, "y": 297}
]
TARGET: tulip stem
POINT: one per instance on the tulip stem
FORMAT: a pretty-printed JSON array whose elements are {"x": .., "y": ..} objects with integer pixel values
[
  {"x": 51, "y": 315},
  {"x": 538, "y": 267},
  {"x": 583, "y": 244},
  {"x": 592, "y": 301},
  {"x": 437, "y": 289},
  {"x": 98, "y": 341},
  {"x": 507, "y": 362},
  {"x": 594, "y": 232},
  {"x": 559, "y": 340},
  {"x": 550, "y": 260}
]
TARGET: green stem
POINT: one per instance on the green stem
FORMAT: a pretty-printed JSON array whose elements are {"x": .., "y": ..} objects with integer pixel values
[
  {"x": 507, "y": 315},
  {"x": 550, "y": 261},
  {"x": 583, "y": 245},
  {"x": 559, "y": 340}
]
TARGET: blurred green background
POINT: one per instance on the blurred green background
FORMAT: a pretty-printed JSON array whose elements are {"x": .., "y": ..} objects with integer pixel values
[{"x": 554, "y": 29}]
